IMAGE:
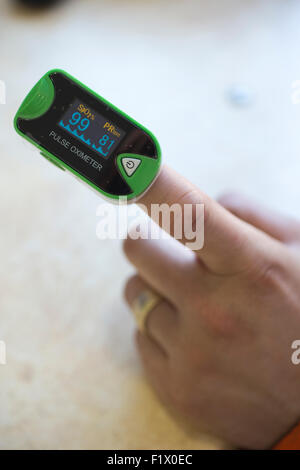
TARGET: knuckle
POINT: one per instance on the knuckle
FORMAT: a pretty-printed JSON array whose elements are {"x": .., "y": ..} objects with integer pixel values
[
  {"x": 272, "y": 275},
  {"x": 220, "y": 322},
  {"x": 216, "y": 316},
  {"x": 191, "y": 194}
]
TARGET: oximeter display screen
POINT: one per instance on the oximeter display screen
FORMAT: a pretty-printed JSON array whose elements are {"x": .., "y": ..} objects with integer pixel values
[{"x": 91, "y": 128}]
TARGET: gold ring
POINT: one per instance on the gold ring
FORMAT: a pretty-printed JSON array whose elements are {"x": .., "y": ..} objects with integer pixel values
[{"x": 145, "y": 302}]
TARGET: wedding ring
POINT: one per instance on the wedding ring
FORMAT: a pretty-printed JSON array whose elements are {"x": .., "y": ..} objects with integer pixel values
[{"x": 143, "y": 305}]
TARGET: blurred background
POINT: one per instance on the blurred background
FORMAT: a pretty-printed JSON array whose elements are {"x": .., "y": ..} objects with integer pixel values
[{"x": 213, "y": 80}]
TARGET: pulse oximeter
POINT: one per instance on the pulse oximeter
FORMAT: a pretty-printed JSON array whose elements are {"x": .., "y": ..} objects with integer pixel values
[{"x": 81, "y": 132}]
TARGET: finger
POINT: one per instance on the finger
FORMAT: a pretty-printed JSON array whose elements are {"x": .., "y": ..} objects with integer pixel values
[
  {"x": 162, "y": 322},
  {"x": 281, "y": 227},
  {"x": 230, "y": 245},
  {"x": 155, "y": 363},
  {"x": 165, "y": 264}
]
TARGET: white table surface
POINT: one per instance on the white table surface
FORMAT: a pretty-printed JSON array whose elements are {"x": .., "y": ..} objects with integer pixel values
[{"x": 73, "y": 378}]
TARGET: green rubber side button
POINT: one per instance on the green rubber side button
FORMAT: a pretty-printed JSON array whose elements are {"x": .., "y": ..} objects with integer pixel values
[
  {"x": 52, "y": 161},
  {"x": 38, "y": 101},
  {"x": 138, "y": 171}
]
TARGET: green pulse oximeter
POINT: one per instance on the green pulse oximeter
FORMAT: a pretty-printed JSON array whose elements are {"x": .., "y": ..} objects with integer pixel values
[{"x": 81, "y": 132}]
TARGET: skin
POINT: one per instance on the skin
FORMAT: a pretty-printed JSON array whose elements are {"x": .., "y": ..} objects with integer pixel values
[{"x": 217, "y": 349}]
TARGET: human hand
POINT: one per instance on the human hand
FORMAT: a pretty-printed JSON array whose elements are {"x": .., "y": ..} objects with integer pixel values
[{"x": 217, "y": 348}]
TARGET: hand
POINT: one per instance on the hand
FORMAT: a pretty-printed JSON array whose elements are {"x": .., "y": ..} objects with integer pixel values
[{"x": 218, "y": 346}]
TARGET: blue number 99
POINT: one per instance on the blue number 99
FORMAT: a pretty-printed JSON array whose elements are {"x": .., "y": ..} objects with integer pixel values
[
  {"x": 75, "y": 119},
  {"x": 84, "y": 124}
]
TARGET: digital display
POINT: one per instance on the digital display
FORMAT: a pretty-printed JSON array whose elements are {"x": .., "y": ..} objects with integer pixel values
[{"x": 91, "y": 128}]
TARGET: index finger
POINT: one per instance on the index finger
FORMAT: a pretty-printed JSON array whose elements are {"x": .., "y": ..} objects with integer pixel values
[{"x": 227, "y": 241}]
